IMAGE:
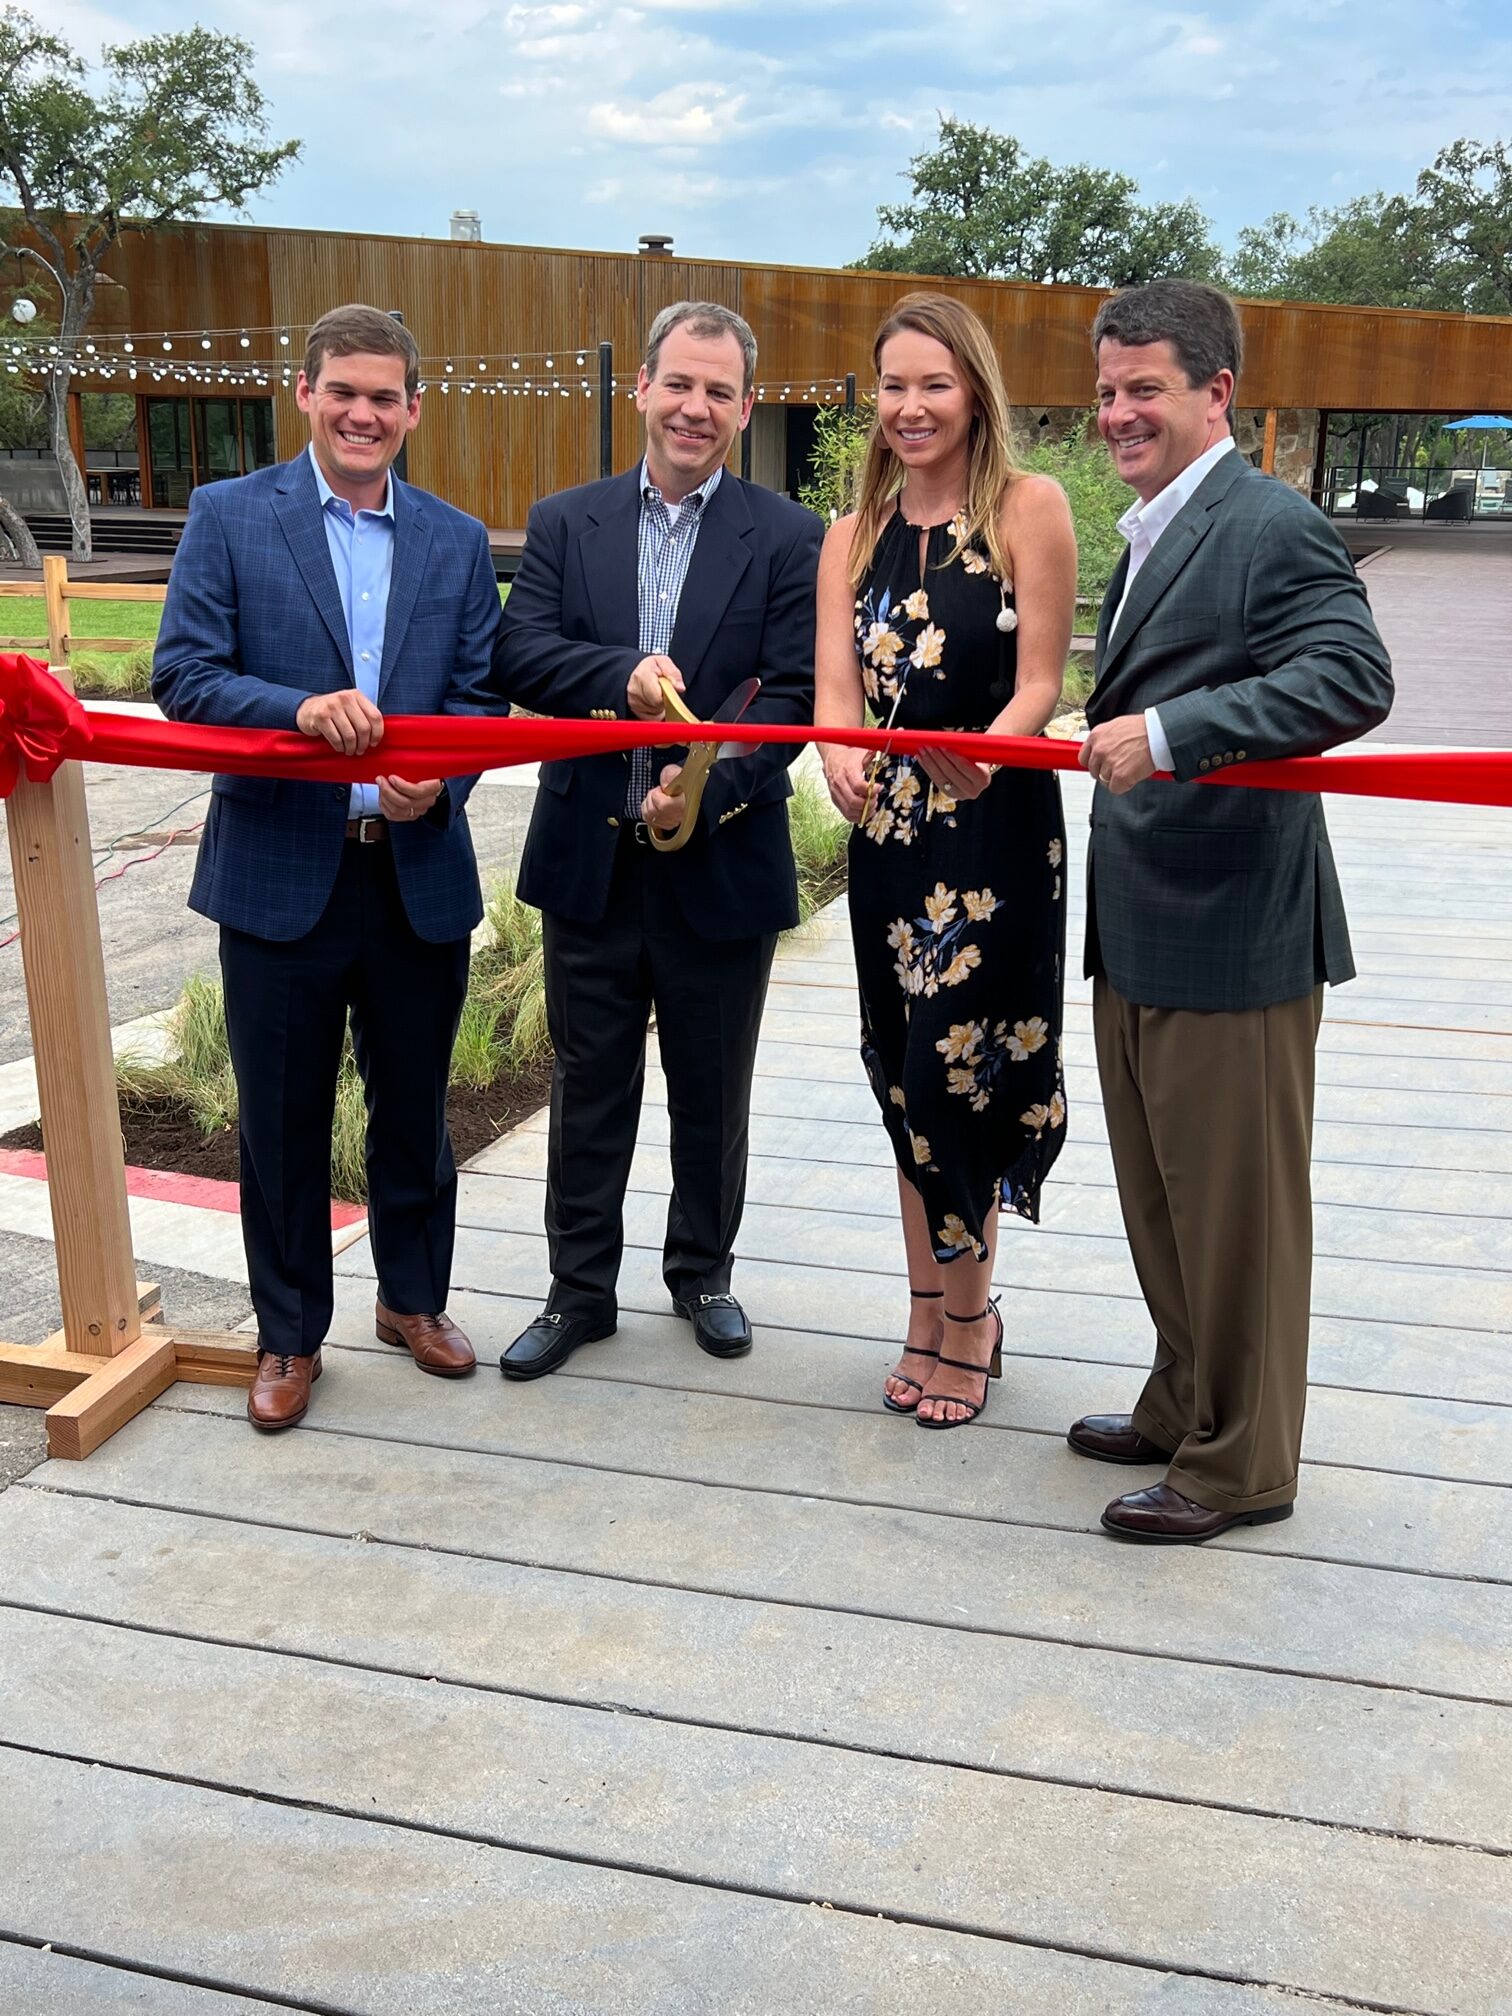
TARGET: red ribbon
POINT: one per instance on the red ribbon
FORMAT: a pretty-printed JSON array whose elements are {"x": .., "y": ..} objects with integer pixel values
[{"x": 42, "y": 725}]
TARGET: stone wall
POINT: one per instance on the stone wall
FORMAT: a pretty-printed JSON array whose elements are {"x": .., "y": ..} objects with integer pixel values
[
  {"x": 1034, "y": 424},
  {"x": 1296, "y": 442}
]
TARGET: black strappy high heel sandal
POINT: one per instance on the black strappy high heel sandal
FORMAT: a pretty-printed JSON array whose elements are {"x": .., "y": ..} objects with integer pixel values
[
  {"x": 898, "y": 1406},
  {"x": 992, "y": 1370}
]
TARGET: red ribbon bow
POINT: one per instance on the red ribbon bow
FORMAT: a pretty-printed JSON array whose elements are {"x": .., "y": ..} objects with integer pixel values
[{"x": 41, "y": 723}]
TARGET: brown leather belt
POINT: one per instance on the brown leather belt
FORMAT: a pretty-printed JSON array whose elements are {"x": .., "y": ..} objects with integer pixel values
[{"x": 367, "y": 832}]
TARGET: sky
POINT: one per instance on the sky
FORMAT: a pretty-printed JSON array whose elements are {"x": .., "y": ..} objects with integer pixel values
[{"x": 771, "y": 129}]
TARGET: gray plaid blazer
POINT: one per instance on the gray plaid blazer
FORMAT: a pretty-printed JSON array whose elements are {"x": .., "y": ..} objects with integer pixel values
[{"x": 1248, "y": 628}]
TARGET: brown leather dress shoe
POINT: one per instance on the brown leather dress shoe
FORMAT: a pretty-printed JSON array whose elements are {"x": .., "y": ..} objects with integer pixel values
[
  {"x": 1113, "y": 1438},
  {"x": 434, "y": 1342},
  {"x": 280, "y": 1393},
  {"x": 1165, "y": 1517}
]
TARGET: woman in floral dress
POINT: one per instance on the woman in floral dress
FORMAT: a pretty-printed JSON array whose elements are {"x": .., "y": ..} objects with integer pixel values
[{"x": 946, "y": 601}]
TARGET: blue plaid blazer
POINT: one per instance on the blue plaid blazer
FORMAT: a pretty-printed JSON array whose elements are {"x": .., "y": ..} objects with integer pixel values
[{"x": 253, "y": 625}]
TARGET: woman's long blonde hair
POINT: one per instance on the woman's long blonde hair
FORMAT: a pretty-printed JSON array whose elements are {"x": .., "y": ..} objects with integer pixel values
[{"x": 990, "y": 465}]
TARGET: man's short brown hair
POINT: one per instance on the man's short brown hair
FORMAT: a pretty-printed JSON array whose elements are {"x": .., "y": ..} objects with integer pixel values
[
  {"x": 346, "y": 332},
  {"x": 1200, "y": 323}
]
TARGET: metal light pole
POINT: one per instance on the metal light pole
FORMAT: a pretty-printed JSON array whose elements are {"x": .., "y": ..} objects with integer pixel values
[{"x": 606, "y": 409}]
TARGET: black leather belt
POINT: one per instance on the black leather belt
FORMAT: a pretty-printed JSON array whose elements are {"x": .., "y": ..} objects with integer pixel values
[{"x": 367, "y": 832}]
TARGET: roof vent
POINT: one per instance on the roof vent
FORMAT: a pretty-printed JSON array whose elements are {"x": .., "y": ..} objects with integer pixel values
[
  {"x": 655, "y": 245},
  {"x": 467, "y": 226}
]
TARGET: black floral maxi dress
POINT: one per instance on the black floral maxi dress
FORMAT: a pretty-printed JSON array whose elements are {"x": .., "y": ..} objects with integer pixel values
[{"x": 956, "y": 907}]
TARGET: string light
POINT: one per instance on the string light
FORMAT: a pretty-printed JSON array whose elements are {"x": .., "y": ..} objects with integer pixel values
[{"x": 244, "y": 369}]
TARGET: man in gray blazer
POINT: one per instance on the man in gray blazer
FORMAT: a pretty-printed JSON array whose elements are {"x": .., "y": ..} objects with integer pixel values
[{"x": 1234, "y": 630}]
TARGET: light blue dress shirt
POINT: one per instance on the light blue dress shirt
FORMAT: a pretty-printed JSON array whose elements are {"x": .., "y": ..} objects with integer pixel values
[{"x": 362, "y": 555}]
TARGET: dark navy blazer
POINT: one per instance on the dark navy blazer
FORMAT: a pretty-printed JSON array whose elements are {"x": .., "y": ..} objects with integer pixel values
[
  {"x": 568, "y": 644},
  {"x": 253, "y": 625}
]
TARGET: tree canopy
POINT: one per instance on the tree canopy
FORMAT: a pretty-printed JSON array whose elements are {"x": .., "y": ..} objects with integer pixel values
[
  {"x": 982, "y": 208},
  {"x": 174, "y": 129}
]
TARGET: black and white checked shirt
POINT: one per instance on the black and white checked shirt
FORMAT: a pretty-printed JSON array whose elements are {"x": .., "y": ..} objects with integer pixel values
[{"x": 666, "y": 541}]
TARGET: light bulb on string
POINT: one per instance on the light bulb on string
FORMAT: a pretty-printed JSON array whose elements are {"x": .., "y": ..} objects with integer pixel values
[
  {"x": 283, "y": 337},
  {"x": 245, "y": 340}
]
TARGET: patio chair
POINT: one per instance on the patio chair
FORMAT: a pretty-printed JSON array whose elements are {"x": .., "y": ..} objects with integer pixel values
[
  {"x": 1455, "y": 505},
  {"x": 1379, "y": 503}
]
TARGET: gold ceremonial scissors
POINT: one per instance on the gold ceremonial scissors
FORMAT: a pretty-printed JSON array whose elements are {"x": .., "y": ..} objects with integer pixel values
[{"x": 701, "y": 758}]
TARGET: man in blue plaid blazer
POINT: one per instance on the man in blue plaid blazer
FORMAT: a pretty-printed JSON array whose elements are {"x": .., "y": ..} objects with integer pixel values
[
  {"x": 1234, "y": 630},
  {"x": 317, "y": 596}
]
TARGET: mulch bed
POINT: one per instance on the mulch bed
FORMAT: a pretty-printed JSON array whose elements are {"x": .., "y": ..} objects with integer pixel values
[{"x": 160, "y": 1135}]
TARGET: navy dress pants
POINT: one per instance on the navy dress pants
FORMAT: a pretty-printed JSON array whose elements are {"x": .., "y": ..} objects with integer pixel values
[
  {"x": 603, "y": 982},
  {"x": 286, "y": 1013}
]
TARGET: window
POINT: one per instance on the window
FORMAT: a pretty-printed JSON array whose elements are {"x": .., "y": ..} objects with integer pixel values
[{"x": 193, "y": 441}]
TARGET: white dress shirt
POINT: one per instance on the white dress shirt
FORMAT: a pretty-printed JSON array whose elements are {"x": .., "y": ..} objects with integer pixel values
[{"x": 1142, "y": 525}]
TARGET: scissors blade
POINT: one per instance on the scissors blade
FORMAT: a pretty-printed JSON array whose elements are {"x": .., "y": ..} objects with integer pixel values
[{"x": 735, "y": 703}]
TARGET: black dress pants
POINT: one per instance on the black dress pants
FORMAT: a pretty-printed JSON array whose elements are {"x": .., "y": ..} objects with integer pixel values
[
  {"x": 286, "y": 1013},
  {"x": 602, "y": 983}
]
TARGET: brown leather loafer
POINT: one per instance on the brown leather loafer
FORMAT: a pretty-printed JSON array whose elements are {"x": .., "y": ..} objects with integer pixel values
[
  {"x": 1113, "y": 1438},
  {"x": 434, "y": 1342},
  {"x": 280, "y": 1393},
  {"x": 1164, "y": 1517}
]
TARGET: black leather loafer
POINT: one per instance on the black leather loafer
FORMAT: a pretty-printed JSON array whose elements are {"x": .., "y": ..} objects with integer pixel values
[
  {"x": 550, "y": 1341},
  {"x": 1163, "y": 1517},
  {"x": 1113, "y": 1438},
  {"x": 720, "y": 1325}
]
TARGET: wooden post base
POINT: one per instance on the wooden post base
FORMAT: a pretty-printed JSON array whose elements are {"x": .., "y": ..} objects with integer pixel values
[{"x": 88, "y": 1398}]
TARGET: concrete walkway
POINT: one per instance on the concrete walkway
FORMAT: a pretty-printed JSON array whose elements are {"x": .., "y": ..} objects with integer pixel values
[{"x": 665, "y": 1686}]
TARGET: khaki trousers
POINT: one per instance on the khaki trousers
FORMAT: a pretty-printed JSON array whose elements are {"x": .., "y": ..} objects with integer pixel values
[{"x": 1210, "y": 1123}]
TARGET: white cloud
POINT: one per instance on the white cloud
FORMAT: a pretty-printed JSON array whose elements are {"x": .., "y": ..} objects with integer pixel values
[
  {"x": 691, "y": 115},
  {"x": 771, "y": 129}
]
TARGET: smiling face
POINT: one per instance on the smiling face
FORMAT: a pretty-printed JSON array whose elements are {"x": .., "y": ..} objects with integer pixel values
[
  {"x": 924, "y": 405},
  {"x": 359, "y": 414},
  {"x": 693, "y": 408},
  {"x": 1154, "y": 422}
]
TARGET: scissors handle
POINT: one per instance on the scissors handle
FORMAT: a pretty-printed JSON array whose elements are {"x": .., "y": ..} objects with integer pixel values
[{"x": 689, "y": 785}]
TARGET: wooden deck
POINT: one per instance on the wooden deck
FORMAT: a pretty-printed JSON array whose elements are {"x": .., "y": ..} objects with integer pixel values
[
  {"x": 1443, "y": 600},
  {"x": 665, "y": 1686}
]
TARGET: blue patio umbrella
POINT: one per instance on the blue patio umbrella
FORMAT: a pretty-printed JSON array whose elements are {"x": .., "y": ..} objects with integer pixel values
[{"x": 1480, "y": 423}]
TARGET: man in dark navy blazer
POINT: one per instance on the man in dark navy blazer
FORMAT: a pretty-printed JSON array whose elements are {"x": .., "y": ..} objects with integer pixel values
[
  {"x": 316, "y": 596},
  {"x": 676, "y": 570}
]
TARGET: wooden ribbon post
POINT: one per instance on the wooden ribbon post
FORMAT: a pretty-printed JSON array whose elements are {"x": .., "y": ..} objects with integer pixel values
[{"x": 113, "y": 1355}]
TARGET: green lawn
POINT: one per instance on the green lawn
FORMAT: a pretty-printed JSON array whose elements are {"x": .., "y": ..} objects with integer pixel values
[{"x": 26, "y": 616}]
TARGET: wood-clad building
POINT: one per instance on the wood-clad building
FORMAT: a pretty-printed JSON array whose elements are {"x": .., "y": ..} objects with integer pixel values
[{"x": 497, "y": 313}]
